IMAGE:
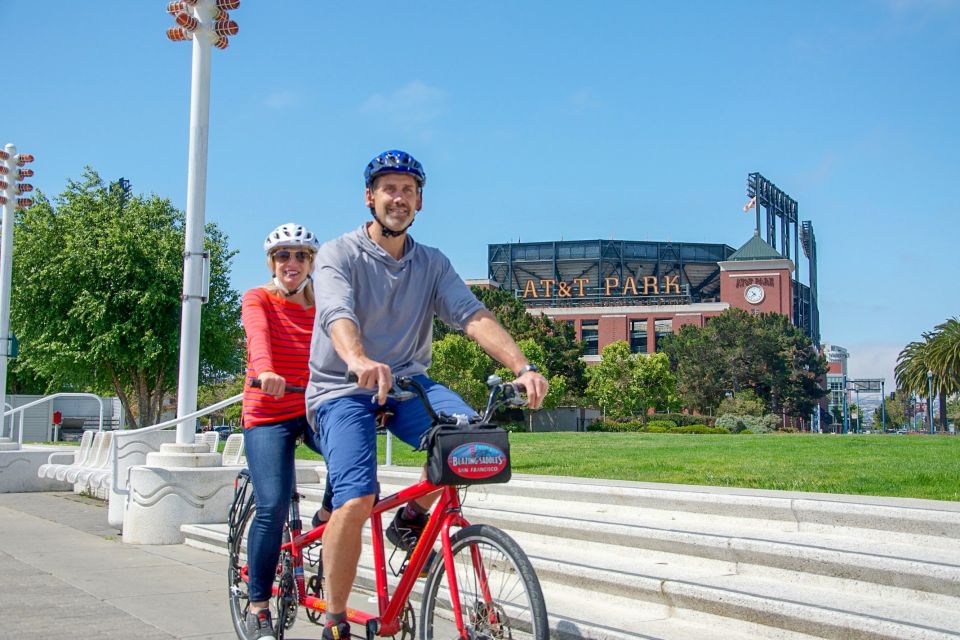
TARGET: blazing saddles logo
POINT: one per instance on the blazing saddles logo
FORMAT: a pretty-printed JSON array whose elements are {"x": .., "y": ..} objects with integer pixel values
[
  {"x": 577, "y": 288},
  {"x": 476, "y": 460}
]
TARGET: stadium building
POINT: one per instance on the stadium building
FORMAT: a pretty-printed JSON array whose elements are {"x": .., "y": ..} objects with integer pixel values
[{"x": 639, "y": 291}]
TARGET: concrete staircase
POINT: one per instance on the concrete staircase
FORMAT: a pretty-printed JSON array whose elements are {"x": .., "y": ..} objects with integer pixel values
[{"x": 627, "y": 560}]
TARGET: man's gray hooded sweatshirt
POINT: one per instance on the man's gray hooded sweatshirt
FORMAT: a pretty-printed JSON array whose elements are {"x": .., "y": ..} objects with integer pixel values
[{"x": 393, "y": 303}]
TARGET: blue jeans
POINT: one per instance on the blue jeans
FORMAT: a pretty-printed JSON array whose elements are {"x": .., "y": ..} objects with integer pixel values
[
  {"x": 270, "y": 449},
  {"x": 348, "y": 434}
]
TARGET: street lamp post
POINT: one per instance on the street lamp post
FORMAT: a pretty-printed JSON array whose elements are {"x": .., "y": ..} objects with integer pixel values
[
  {"x": 207, "y": 23},
  {"x": 930, "y": 398},
  {"x": 859, "y": 413},
  {"x": 11, "y": 186}
]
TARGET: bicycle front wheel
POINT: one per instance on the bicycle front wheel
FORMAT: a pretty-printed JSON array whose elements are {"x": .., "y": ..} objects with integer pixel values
[{"x": 499, "y": 593}]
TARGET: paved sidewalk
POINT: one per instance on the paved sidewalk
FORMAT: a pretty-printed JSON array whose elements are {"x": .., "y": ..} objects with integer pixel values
[{"x": 64, "y": 573}]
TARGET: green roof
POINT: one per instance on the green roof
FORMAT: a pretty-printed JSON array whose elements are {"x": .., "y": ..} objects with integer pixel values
[{"x": 755, "y": 249}]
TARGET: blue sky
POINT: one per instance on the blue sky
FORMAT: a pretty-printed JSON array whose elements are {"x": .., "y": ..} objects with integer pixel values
[{"x": 537, "y": 121}]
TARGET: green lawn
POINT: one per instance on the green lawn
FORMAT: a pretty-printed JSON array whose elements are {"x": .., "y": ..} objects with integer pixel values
[{"x": 879, "y": 465}]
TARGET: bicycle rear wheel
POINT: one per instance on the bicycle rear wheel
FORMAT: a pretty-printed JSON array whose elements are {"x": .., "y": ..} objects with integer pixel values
[
  {"x": 237, "y": 567},
  {"x": 499, "y": 593}
]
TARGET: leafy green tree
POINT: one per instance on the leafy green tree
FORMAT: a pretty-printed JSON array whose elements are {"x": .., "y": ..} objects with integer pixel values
[
  {"x": 96, "y": 296},
  {"x": 743, "y": 403},
  {"x": 626, "y": 384},
  {"x": 737, "y": 351},
  {"x": 213, "y": 392},
  {"x": 537, "y": 355},
  {"x": 953, "y": 409},
  {"x": 459, "y": 363},
  {"x": 561, "y": 349},
  {"x": 896, "y": 414}
]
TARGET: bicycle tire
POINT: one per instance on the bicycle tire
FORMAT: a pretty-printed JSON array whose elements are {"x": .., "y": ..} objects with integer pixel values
[
  {"x": 517, "y": 599},
  {"x": 237, "y": 587}
]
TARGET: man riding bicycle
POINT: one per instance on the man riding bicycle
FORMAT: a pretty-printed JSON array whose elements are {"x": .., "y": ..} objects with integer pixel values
[{"x": 377, "y": 292}]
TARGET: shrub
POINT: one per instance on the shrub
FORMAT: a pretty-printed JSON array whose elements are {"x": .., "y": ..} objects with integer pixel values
[
  {"x": 682, "y": 419},
  {"x": 755, "y": 424},
  {"x": 514, "y": 427},
  {"x": 665, "y": 424},
  {"x": 655, "y": 428},
  {"x": 609, "y": 426},
  {"x": 744, "y": 403},
  {"x": 699, "y": 428}
]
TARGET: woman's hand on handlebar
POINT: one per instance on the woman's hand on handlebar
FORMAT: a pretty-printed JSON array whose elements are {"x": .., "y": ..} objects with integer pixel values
[
  {"x": 536, "y": 387},
  {"x": 371, "y": 374},
  {"x": 272, "y": 384}
]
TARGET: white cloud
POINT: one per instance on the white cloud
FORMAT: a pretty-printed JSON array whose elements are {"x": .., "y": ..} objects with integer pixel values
[
  {"x": 873, "y": 360},
  {"x": 415, "y": 104},
  {"x": 281, "y": 99}
]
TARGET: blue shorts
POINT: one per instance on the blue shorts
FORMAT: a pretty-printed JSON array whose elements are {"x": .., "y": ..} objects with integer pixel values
[{"x": 348, "y": 434}]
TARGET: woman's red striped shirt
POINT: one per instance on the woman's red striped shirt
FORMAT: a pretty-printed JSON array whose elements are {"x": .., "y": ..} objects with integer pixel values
[{"x": 278, "y": 340}]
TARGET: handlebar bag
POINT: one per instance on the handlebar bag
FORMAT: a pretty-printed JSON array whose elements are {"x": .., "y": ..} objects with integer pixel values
[{"x": 467, "y": 454}]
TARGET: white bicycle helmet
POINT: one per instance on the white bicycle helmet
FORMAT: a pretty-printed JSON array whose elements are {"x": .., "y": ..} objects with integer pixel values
[{"x": 290, "y": 235}]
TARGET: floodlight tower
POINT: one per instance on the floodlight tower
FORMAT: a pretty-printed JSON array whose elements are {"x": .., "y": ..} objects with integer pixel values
[
  {"x": 208, "y": 24},
  {"x": 11, "y": 186}
]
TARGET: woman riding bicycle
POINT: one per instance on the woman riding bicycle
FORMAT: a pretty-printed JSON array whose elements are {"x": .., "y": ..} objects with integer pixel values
[{"x": 278, "y": 319}]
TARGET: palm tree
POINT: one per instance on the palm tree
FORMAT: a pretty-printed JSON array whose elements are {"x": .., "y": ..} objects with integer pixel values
[
  {"x": 944, "y": 355},
  {"x": 939, "y": 353}
]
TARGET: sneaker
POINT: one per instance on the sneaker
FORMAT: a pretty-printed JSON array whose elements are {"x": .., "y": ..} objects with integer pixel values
[
  {"x": 260, "y": 625},
  {"x": 404, "y": 533},
  {"x": 339, "y": 631}
]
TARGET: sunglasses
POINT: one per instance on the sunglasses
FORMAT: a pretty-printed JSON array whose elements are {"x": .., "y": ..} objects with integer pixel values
[{"x": 283, "y": 255}]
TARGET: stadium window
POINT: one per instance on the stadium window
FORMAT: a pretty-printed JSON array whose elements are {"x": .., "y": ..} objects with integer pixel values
[
  {"x": 638, "y": 336},
  {"x": 589, "y": 330},
  {"x": 662, "y": 328}
]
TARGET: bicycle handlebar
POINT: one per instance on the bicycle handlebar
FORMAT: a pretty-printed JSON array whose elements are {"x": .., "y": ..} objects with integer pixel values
[
  {"x": 406, "y": 388},
  {"x": 290, "y": 388}
]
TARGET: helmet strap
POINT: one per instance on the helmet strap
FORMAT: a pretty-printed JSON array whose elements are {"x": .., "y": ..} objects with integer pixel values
[
  {"x": 386, "y": 231},
  {"x": 288, "y": 292}
]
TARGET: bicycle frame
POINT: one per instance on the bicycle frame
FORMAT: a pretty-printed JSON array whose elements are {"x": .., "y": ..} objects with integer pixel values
[{"x": 386, "y": 622}]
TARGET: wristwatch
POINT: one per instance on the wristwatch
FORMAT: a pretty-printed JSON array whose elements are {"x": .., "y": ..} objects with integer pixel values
[{"x": 528, "y": 367}]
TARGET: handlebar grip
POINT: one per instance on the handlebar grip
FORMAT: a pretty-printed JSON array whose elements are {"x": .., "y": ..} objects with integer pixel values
[
  {"x": 516, "y": 387},
  {"x": 290, "y": 388},
  {"x": 350, "y": 376}
]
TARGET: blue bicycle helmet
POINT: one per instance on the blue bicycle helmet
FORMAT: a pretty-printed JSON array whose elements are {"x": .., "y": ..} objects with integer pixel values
[{"x": 395, "y": 161}]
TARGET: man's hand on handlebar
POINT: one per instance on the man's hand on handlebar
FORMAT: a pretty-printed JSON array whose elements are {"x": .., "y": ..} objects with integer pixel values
[
  {"x": 373, "y": 375},
  {"x": 535, "y": 386}
]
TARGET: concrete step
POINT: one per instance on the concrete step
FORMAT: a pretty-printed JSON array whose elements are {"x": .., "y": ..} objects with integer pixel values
[
  {"x": 573, "y": 612},
  {"x": 641, "y": 560}
]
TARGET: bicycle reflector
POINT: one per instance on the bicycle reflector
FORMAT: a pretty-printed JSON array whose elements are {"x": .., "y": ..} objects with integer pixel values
[
  {"x": 176, "y": 7},
  {"x": 228, "y": 5},
  {"x": 23, "y": 203},
  {"x": 24, "y": 158}
]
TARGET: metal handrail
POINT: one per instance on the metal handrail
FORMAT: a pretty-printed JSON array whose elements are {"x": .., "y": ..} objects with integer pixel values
[
  {"x": 114, "y": 466},
  {"x": 22, "y": 410}
]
